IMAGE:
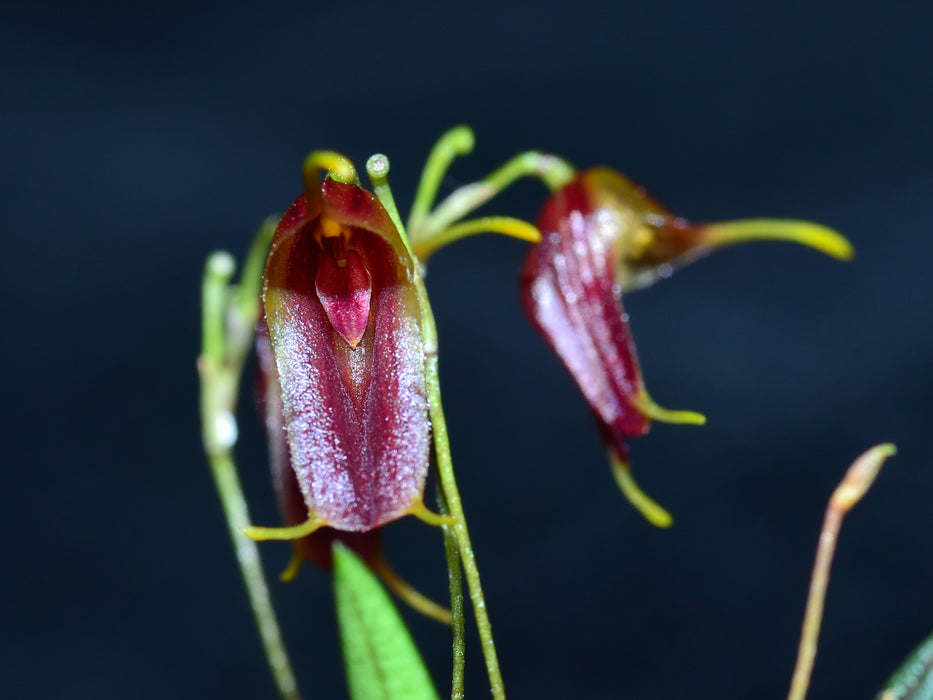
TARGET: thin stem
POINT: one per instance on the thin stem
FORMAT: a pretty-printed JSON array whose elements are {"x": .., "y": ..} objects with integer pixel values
[
  {"x": 857, "y": 480},
  {"x": 455, "y": 582},
  {"x": 229, "y": 315},
  {"x": 248, "y": 291},
  {"x": 224, "y": 471},
  {"x": 451, "y": 493},
  {"x": 214, "y": 290},
  {"x": 377, "y": 167},
  {"x": 554, "y": 171},
  {"x": 456, "y": 142}
]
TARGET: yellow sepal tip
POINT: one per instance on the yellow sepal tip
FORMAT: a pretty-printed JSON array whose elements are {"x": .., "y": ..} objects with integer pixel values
[
  {"x": 421, "y": 511},
  {"x": 291, "y": 571},
  {"x": 807, "y": 233},
  {"x": 295, "y": 532},
  {"x": 651, "y": 410},
  {"x": 410, "y": 595},
  {"x": 643, "y": 503}
]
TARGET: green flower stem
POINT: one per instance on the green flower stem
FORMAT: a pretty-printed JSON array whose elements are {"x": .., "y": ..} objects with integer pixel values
[
  {"x": 377, "y": 167},
  {"x": 229, "y": 318},
  {"x": 455, "y": 581},
  {"x": 456, "y": 142},
  {"x": 224, "y": 471},
  {"x": 552, "y": 170},
  {"x": 248, "y": 292},
  {"x": 451, "y": 493}
]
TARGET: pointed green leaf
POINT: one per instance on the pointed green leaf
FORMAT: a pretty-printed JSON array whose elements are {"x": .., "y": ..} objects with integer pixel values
[
  {"x": 914, "y": 679},
  {"x": 381, "y": 660}
]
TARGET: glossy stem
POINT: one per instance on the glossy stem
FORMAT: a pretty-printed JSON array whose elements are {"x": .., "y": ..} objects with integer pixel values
[
  {"x": 452, "y": 495},
  {"x": 229, "y": 316},
  {"x": 227, "y": 481},
  {"x": 377, "y": 167},
  {"x": 857, "y": 480},
  {"x": 455, "y": 583}
]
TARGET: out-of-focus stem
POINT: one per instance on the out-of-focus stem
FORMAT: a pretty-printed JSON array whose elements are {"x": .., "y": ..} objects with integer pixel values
[
  {"x": 229, "y": 316},
  {"x": 225, "y": 476},
  {"x": 854, "y": 484}
]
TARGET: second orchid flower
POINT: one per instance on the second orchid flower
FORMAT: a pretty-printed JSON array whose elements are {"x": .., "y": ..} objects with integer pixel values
[{"x": 602, "y": 235}]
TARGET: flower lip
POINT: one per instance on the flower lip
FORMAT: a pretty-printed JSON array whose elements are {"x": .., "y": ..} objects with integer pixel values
[{"x": 344, "y": 288}]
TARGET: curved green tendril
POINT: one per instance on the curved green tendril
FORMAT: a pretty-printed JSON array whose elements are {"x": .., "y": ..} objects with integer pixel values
[{"x": 458, "y": 141}]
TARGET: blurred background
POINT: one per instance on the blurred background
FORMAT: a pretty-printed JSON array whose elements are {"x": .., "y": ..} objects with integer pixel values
[{"x": 137, "y": 138}]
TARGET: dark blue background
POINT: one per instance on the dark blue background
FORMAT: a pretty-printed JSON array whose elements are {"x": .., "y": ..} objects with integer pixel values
[{"x": 137, "y": 138}]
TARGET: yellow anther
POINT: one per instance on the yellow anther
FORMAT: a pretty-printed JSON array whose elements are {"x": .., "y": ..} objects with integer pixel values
[{"x": 331, "y": 228}]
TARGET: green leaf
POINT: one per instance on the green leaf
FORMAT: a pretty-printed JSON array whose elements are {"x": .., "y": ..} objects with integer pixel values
[
  {"x": 381, "y": 660},
  {"x": 914, "y": 679}
]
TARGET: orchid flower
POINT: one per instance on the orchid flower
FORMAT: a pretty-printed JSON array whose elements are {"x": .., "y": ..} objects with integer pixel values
[{"x": 603, "y": 235}]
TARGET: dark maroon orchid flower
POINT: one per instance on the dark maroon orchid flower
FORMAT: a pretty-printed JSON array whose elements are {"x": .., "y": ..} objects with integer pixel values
[
  {"x": 344, "y": 324},
  {"x": 602, "y": 235},
  {"x": 341, "y": 355}
]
